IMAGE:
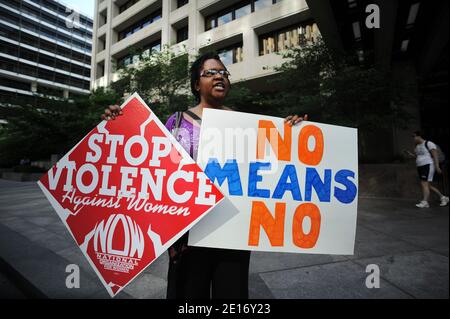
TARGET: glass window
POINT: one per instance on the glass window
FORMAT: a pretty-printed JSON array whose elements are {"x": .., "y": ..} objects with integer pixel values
[
  {"x": 75, "y": 82},
  {"x": 15, "y": 84},
  {"x": 260, "y": 4},
  {"x": 211, "y": 23},
  {"x": 49, "y": 91},
  {"x": 227, "y": 17},
  {"x": 157, "y": 47},
  {"x": 243, "y": 11},
  {"x": 267, "y": 45},
  {"x": 139, "y": 25},
  {"x": 47, "y": 75},
  {"x": 287, "y": 38},
  {"x": 181, "y": 3},
  {"x": 127, "y": 5},
  {"x": 134, "y": 58},
  {"x": 226, "y": 57},
  {"x": 232, "y": 54},
  {"x": 148, "y": 50},
  {"x": 76, "y": 69},
  {"x": 8, "y": 48},
  {"x": 182, "y": 34}
]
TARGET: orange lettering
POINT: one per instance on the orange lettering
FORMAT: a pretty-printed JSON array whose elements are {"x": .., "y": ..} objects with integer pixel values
[
  {"x": 274, "y": 227},
  {"x": 299, "y": 238},
  {"x": 304, "y": 154},
  {"x": 282, "y": 147}
]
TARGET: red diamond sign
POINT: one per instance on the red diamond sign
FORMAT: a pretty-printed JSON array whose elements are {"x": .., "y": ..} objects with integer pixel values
[{"x": 126, "y": 192}]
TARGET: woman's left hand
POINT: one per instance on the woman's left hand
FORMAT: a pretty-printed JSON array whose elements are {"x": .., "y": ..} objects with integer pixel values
[{"x": 295, "y": 119}]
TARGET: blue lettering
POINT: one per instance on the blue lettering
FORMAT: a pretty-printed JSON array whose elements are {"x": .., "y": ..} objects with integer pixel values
[
  {"x": 254, "y": 178},
  {"x": 230, "y": 171},
  {"x": 313, "y": 180},
  {"x": 347, "y": 195},
  {"x": 290, "y": 173}
]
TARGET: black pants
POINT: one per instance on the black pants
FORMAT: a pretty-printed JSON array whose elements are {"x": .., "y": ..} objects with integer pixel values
[{"x": 204, "y": 273}]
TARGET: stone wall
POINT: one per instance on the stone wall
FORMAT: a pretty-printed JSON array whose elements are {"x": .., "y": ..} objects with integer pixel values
[{"x": 393, "y": 181}]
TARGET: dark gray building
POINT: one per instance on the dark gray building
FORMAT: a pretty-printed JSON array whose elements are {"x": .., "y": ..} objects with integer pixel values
[{"x": 45, "y": 48}]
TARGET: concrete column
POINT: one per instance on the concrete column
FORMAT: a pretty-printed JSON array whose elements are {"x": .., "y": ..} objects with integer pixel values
[
  {"x": 165, "y": 24},
  {"x": 404, "y": 74},
  {"x": 250, "y": 44},
  {"x": 323, "y": 14},
  {"x": 196, "y": 25},
  {"x": 94, "y": 44},
  {"x": 109, "y": 42},
  {"x": 384, "y": 36},
  {"x": 436, "y": 40}
]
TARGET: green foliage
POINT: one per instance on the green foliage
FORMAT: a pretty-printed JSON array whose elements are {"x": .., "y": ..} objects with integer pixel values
[
  {"x": 337, "y": 89},
  {"x": 334, "y": 88},
  {"x": 38, "y": 127},
  {"x": 161, "y": 79},
  {"x": 241, "y": 98}
]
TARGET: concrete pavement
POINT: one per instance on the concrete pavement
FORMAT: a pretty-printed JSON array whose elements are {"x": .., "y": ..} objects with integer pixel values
[{"x": 409, "y": 245}]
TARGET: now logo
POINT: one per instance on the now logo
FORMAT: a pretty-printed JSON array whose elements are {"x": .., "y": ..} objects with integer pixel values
[{"x": 106, "y": 234}]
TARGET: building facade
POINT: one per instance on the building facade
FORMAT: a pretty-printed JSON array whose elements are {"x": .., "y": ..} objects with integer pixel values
[
  {"x": 410, "y": 45},
  {"x": 247, "y": 34},
  {"x": 45, "y": 49}
]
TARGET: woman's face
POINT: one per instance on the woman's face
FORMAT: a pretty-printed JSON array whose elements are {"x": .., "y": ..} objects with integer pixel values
[{"x": 214, "y": 87}]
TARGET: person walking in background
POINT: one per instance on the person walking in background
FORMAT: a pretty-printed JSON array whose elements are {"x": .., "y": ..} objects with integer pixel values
[{"x": 427, "y": 162}]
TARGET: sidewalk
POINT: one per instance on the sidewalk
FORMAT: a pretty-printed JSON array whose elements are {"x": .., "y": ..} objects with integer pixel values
[{"x": 409, "y": 245}]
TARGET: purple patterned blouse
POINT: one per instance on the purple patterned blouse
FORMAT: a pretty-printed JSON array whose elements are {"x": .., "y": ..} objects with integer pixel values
[{"x": 187, "y": 136}]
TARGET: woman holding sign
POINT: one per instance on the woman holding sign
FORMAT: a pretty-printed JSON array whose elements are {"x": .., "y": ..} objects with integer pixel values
[{"x": 197, "y": 272}]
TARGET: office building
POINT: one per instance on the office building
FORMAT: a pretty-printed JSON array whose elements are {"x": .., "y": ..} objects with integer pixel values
[
  {"x": 45, "y": 49},
  {"x": 247, "y": 34}
]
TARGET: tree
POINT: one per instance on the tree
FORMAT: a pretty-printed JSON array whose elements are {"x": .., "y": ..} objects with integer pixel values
[
  {"x": 335, "y": 88},
  {"x": 241, "y": 98},
  {"x": 40, "y": 126},
  {"x": 161, "y": 79}
]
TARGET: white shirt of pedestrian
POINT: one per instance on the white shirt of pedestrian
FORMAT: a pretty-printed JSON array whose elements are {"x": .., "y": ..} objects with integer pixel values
[{"x": 423, "y": 155}]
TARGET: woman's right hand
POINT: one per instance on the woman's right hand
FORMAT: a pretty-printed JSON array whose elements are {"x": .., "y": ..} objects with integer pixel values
[{"x": 111, "y": 112}]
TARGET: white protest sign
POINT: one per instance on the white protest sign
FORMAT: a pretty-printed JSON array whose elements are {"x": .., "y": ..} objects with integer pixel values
[{"x": 295, "y": 188}]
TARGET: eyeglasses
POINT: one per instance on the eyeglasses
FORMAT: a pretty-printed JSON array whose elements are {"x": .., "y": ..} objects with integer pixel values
[{"x": 213, "y": 72}]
